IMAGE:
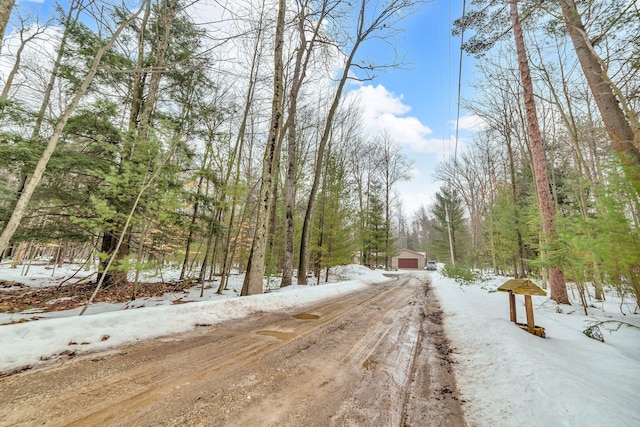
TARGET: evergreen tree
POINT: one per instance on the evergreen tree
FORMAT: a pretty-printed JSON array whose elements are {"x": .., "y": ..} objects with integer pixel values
[
  {"x": 153, "y": 145},
  {"x": 374, "y": 233},
  {"x": 333, "y": 235},
  {"x": 451, "y": 233},
  {"x": 502, "y": 229}
]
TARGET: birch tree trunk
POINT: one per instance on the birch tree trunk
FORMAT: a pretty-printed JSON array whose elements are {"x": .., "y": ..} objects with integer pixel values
[
  {"x": 256, "y": 265},
  {"x": 556, "y": 275}
]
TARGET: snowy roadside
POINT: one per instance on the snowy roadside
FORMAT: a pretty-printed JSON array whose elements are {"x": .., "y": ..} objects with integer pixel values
[
  {"x": 31, "y": 343},
  {"x": 506, "y": 376},
  {"x": 509, "y": 377}
]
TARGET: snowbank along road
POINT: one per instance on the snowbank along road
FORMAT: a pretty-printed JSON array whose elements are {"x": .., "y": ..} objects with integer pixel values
[{"x": 376, "y": 357}]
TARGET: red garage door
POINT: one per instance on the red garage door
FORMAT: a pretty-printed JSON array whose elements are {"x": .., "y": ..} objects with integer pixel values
[{"x": 407, "y": 263}]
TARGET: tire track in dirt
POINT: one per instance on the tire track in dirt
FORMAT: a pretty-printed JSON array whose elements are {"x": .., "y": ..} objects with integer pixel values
[{"x": 358, "y": 363}]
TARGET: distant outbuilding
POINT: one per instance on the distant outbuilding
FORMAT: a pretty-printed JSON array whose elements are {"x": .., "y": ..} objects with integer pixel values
[
  {"x": 527, "y": 288},
  {"x": 408, "y": 260}
]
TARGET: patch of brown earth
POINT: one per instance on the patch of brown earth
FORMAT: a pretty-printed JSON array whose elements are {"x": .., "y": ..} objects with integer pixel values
[{"x": 70, "y": 296}]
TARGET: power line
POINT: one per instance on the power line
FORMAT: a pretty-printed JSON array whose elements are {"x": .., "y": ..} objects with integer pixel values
[{"x": 455, "y": 153}]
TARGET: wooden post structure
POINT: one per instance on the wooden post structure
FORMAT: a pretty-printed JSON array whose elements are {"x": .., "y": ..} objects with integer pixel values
[
  {"x": 512, "y": 307},
  {"x": 527, "y": 288},
  {"x": 528, "y": 305}
]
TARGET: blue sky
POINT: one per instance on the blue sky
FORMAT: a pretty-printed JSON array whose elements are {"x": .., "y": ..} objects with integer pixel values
[{"x": 417, "y": 104}]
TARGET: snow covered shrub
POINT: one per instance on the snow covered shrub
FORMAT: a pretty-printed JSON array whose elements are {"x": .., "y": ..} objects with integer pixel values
[{"x": 461, "y": 274}]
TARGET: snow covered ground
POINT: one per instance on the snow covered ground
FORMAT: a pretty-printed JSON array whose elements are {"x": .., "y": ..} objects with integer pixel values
[
  {"x": 506, "y": 376},
  {"x": 509, "y": 377},
  {"x": 107, "y": 325}
]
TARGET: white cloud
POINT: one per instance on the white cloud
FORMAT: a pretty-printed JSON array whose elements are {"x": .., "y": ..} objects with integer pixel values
[
  {"x": 378, "y": 100},
  {"x": 416, "y": 173},
  {"x": 416, "y": 194},
  {"x": 383, "y": 110},
  {"x": 36, "y": 61},
  {"x": 470, "y": 122}
]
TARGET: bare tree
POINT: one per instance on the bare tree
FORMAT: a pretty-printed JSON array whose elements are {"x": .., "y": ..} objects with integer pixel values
[
  {"x": 373, "y": 20},
  {"x": 303, "y": 56},
  {"x": 256, "y": 57},
  {"x": 27, "y": 34},
  {"x": 471, "y": 176},
  {"x": 393, "y": 167},
  {"x": 502, "y": 112}
]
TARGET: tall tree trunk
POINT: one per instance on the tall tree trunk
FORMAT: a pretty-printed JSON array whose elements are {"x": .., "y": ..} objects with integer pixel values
[
  {"x": 253, "y": 280},
  {"x": 620, "y": 122},
  {"x": 194, "y": 219},
  {"x": 5, "y": 12},
  {"x": 227, "y": 255},
  {"x": 306, "y": 226},
  {"x": 556, "y": 275},
  {"x": 290, "y": 181},
  {"x": 519, "y": 256},
  {"x": 208, "y": 250},
  {"x": 299, "y": 74},
  {"x": 270, "y": 258},
  {"x": 287, "y": 263}
]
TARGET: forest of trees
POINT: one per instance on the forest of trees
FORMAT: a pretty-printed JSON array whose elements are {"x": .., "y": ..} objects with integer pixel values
[
  {"x": 216, "y": 138},
  {"x": 582, "y": 60},
  {"x": 204, "y": 136}
]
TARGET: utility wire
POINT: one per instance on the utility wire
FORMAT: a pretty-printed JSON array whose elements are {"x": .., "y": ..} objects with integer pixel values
[{"x": 455, "y": 153}]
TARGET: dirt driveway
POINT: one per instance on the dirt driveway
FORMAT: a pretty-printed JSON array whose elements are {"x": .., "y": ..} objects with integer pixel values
[{"x": 376, "y": 357}]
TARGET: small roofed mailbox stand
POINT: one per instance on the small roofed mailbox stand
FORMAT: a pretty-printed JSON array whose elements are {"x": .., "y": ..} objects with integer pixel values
[{"x": 527, "y": 288}]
